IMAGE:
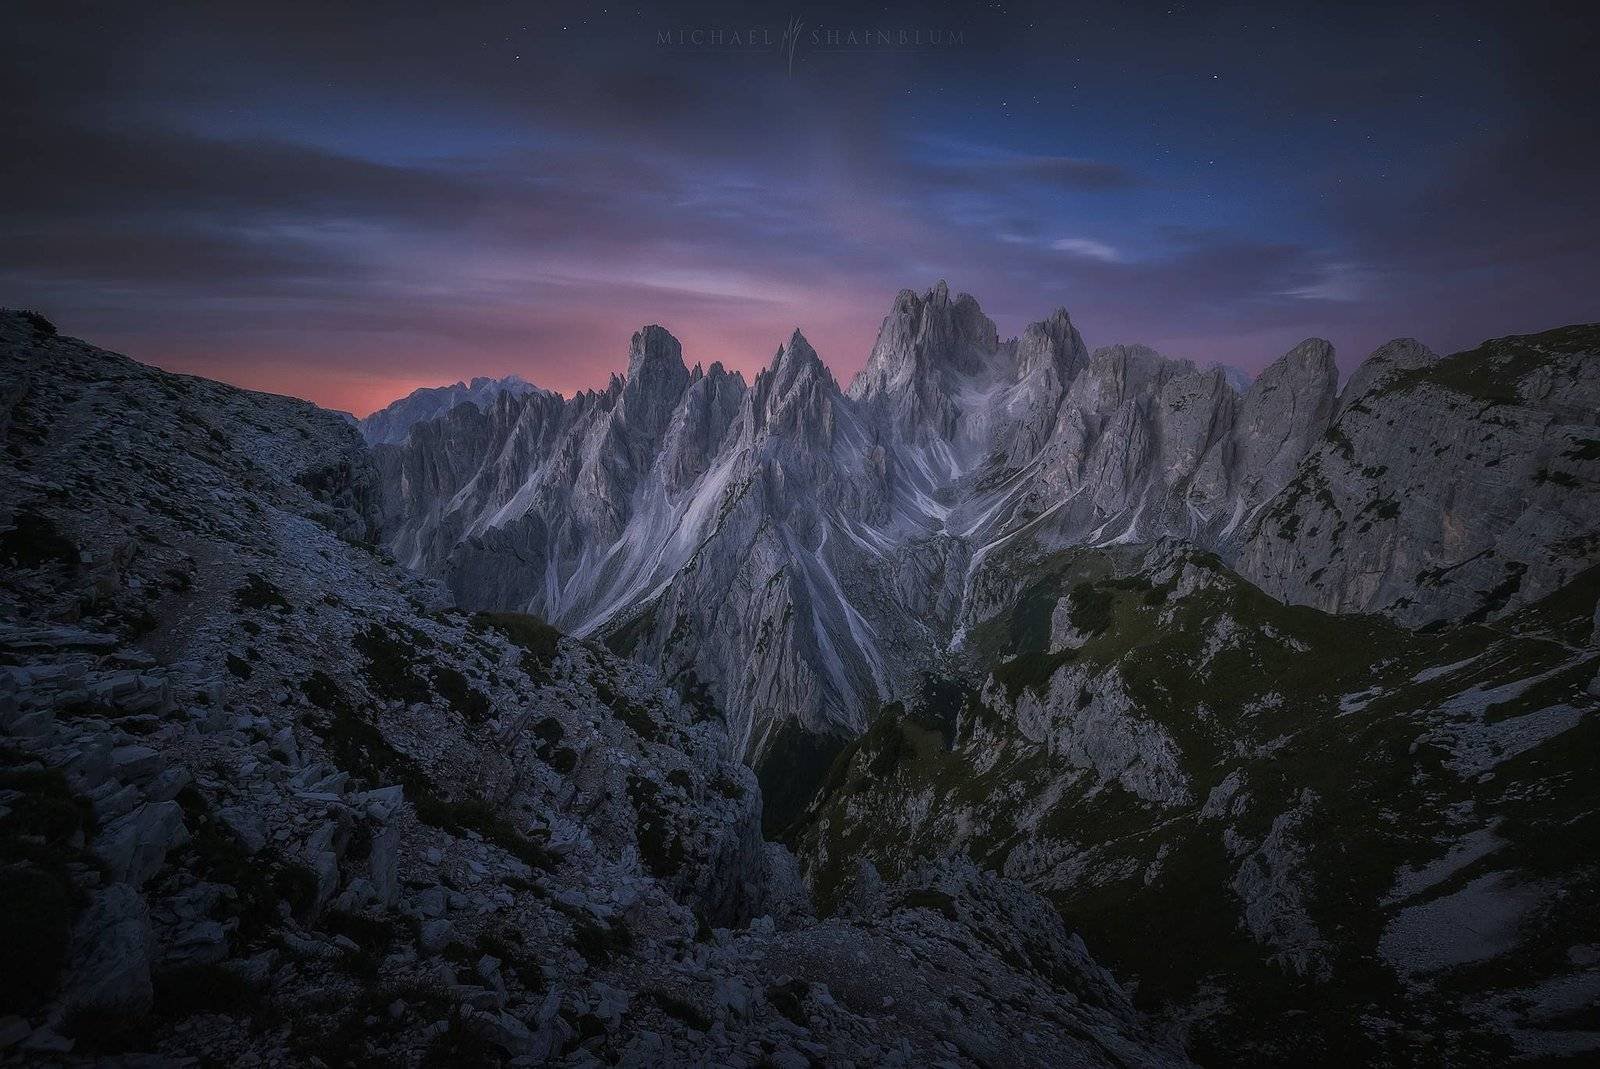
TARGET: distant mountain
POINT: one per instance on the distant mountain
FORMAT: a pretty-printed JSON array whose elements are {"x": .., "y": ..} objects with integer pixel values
[
  {"x": 807, "y": 552},
  {"x": 392, "y": 423}
]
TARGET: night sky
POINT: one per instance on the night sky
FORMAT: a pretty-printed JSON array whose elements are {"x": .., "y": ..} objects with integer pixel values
[{"x": 346, "y": 206}]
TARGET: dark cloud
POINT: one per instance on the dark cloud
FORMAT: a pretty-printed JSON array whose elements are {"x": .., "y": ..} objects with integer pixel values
[{"x": 70, "y": 171}]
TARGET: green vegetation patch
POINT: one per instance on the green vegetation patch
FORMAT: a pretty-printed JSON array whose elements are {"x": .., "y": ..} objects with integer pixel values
[
  {"x": 464, "y": 698},
  {"x": 36, "y": 932},
  {"x": 261, "y": 880},
  {"x": 682, "y": 1009},
  {"x": 626, "y": 637},
  {"x": 599, "y": 941},
  {"x": 1586, "y": 449},
  {"x": 660, "y": 847},
  {"x": 391, "y": 663},
  {"x": 539, "y": 641}
]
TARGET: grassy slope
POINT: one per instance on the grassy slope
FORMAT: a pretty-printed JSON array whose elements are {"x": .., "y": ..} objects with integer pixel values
[{"x": 1150, "y": 886}]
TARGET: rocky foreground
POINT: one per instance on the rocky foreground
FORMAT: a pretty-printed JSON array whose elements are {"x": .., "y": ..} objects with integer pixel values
[{"x": 266, "y": 799}]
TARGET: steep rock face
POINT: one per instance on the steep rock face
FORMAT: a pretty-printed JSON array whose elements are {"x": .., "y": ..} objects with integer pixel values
[
  {"x": 1447, "y": 489},
  {"x": 758, "y": 609},
  {"x": 1145, "y": 446},
  {"x": 391, "y": 424},
  {"x": 696, "y": 430},
  {"x": 433, "y": 498},
  {"x": 1048, "y": 356},
  {"x": 1286, "y": 409}
]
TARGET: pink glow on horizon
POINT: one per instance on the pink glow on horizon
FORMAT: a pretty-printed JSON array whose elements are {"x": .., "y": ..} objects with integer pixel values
[{"x": 354, "y": 382}]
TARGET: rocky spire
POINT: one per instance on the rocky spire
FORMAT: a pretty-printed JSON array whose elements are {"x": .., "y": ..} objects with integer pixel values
[
  {"x": 708, "y": 409},
  {"x": 1052, "y": 344},
  {"x": 795, "y": 393},
  {"x": 655, "y": 381},
  {"x": 794, "y": 360},
  {"x": 923, "y": 337}
]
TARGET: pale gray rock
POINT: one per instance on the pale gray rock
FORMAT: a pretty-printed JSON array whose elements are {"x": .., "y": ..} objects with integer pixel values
[
  {"x": 247, "y": 824},
  {"x": 134, "y": 764},
  {"x": 203, "y": 942},
  {"x": 1402, "y": 354},
  {"x": 1089, "y": 722},
  {"x": 383, "y": 866},
  {"x": 1272, "y": 885},
  {"x": 435, "y": 935}
]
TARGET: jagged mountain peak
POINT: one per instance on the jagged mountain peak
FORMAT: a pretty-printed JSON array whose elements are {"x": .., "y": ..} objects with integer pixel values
[
  {"x": 795, "y": 358},
  {"x": 718, "y": 371},
  {"x": 884, "y": 509},
  {"x": 1052, "y": 342},
  {"x": 507, "y": 382},
  {"x": 795, "y": 393},
  {"x": 1115, "y": 373},
  {"x": 653, "y": 351},
  {"x": 1130, "y": 353},
  {"x": 655, "y": 380},
  {"x": 1309, "y": 376},
  {"x": 925, "y": 338},
  {"x": 1312, "y": 357}
]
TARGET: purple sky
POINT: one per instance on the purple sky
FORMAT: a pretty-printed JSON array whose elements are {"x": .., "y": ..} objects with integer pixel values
[{"x": 346, "y": 207}]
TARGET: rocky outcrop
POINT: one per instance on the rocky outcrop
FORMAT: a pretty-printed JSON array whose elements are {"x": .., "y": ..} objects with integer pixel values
[
  {"x": 929, "y": 348},
  {"x": 1090, "y": 723}
]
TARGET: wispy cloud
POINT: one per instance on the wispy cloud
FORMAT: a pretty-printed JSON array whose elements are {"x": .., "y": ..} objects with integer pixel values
[
  {"x": 1088, "y": 249},
  {"x": 1338, "y": 282}
]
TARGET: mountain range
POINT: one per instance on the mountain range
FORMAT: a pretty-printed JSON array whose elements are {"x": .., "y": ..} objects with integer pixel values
[
  {"x": 394, "y": 421},
  {"x": 807, "y": 553}
]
